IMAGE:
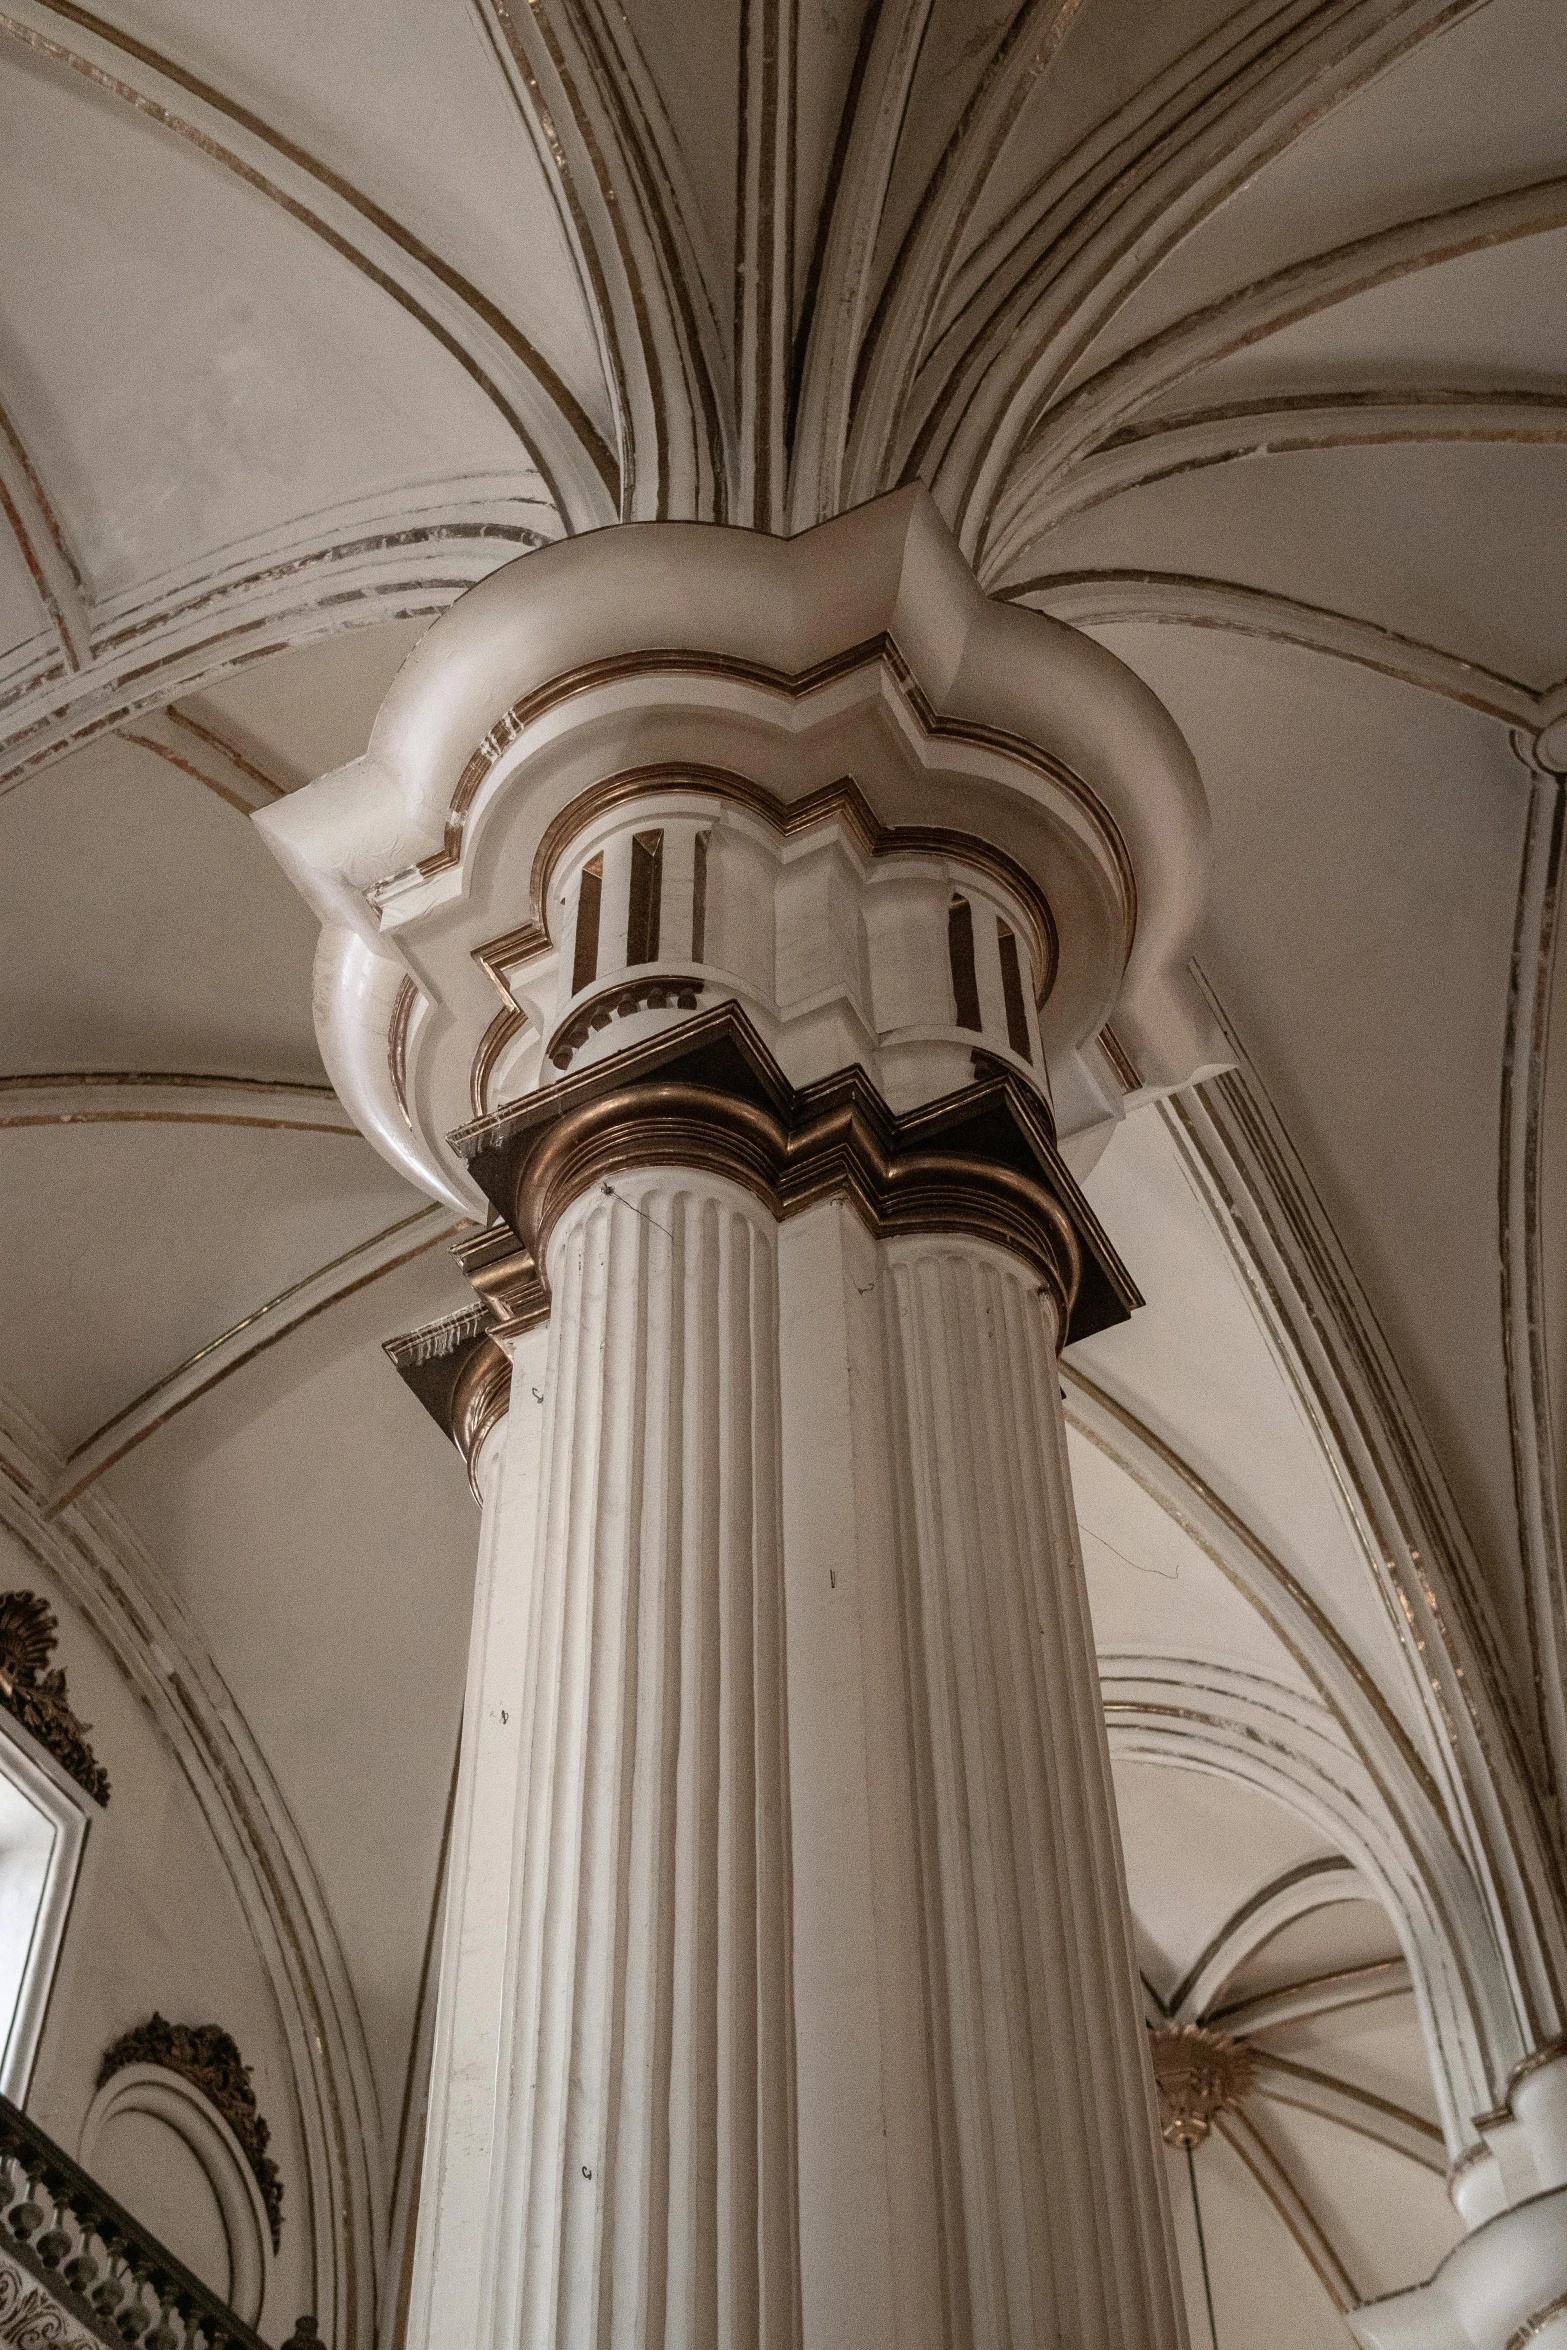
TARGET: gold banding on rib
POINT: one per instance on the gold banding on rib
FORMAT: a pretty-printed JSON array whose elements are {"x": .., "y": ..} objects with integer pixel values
[
  {"x": 1533, "y": 2327},
  {"x": 397, "y": 1044}
]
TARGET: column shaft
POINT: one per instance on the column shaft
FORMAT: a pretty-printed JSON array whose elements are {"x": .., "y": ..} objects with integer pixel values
[
  {"x": 466, "y": 2126},
  {"x": 1052, "y": 2192},
  {"x": 647, "y": 2193},
  {"x": 788, "y": 1996},
  {"x": 979, "y": 2160}
]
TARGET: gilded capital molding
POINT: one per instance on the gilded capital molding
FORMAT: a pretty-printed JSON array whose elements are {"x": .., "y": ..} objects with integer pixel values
[
  {"x": 824, "y": 746},
  {"x": 460, "y": 1372},
  {"x": 709, "y": 1095}
]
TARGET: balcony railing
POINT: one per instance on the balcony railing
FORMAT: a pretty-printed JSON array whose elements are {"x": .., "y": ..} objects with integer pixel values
[{"x": 87, "y": 2258}]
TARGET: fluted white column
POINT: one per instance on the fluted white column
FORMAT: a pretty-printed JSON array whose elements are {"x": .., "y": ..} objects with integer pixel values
[
  {"x": 642, "y": 2187},
  {"x": 788, "y": 1995},
  {"x": 467, "y": 2120},
  {"x": 980, "y": 2165},
  {"x": 1053, "y": 2204}
]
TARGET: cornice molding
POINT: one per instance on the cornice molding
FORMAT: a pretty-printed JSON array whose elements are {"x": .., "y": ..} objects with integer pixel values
[
  {"x": 881, "y": 651},
  {"x": 709, "y": 1095}
]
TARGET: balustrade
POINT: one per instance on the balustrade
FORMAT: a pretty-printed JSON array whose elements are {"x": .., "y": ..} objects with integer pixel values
[{"x": 65, "y": 2245}]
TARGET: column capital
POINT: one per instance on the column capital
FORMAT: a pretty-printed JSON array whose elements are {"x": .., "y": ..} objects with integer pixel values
[
  {"x": 709, "y": 1095},
  {"x": 828, "y": 778}
]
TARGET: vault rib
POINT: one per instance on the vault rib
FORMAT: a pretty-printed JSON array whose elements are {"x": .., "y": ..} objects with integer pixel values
[
  {"x": 1086, "y": 418},
  {"x": 561, "y": 439},
  {"x": 1095, "y": 599}
]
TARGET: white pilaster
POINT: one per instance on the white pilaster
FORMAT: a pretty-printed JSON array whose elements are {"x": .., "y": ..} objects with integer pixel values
[{"x": 468, "y": 2108}]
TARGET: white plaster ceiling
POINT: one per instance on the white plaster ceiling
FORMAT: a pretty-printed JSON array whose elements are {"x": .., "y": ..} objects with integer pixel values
[{"x": 309, "y": 317}]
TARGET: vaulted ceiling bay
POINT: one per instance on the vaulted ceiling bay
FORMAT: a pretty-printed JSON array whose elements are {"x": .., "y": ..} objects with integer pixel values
[{"x": 1229, "y": 335}]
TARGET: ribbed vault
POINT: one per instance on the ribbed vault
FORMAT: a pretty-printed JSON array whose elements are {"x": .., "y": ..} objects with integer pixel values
[{"x": 1230, "y": 334}]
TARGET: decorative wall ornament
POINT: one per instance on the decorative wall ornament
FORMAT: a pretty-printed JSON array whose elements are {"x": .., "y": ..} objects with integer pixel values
[
  {"x": 207, "y": 2057},
  {"x": 1200, "y": 2073},
  {"x": 37, "y": 1697},
  {"x": 94, "y": 1558}
]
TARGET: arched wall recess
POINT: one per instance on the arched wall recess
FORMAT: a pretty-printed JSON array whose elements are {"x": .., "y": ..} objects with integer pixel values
[{"x": 159, "y": 2100}]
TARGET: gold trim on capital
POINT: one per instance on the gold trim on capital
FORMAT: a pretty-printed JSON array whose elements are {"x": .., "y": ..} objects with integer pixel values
[
  {"x": 506, "y": 1280},
  {"x": 492, "y": 1044},
  {"x": 462, "y": 1376},
  {"x": 481, "y": 1398},
  {"x": 660, "y": 992},
  {"x": 843, "y": 800},
  {"x": 879, "y": 650},
  {"x": 397, "y": 1044},
  {"x": 709, "y": 1095}
]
